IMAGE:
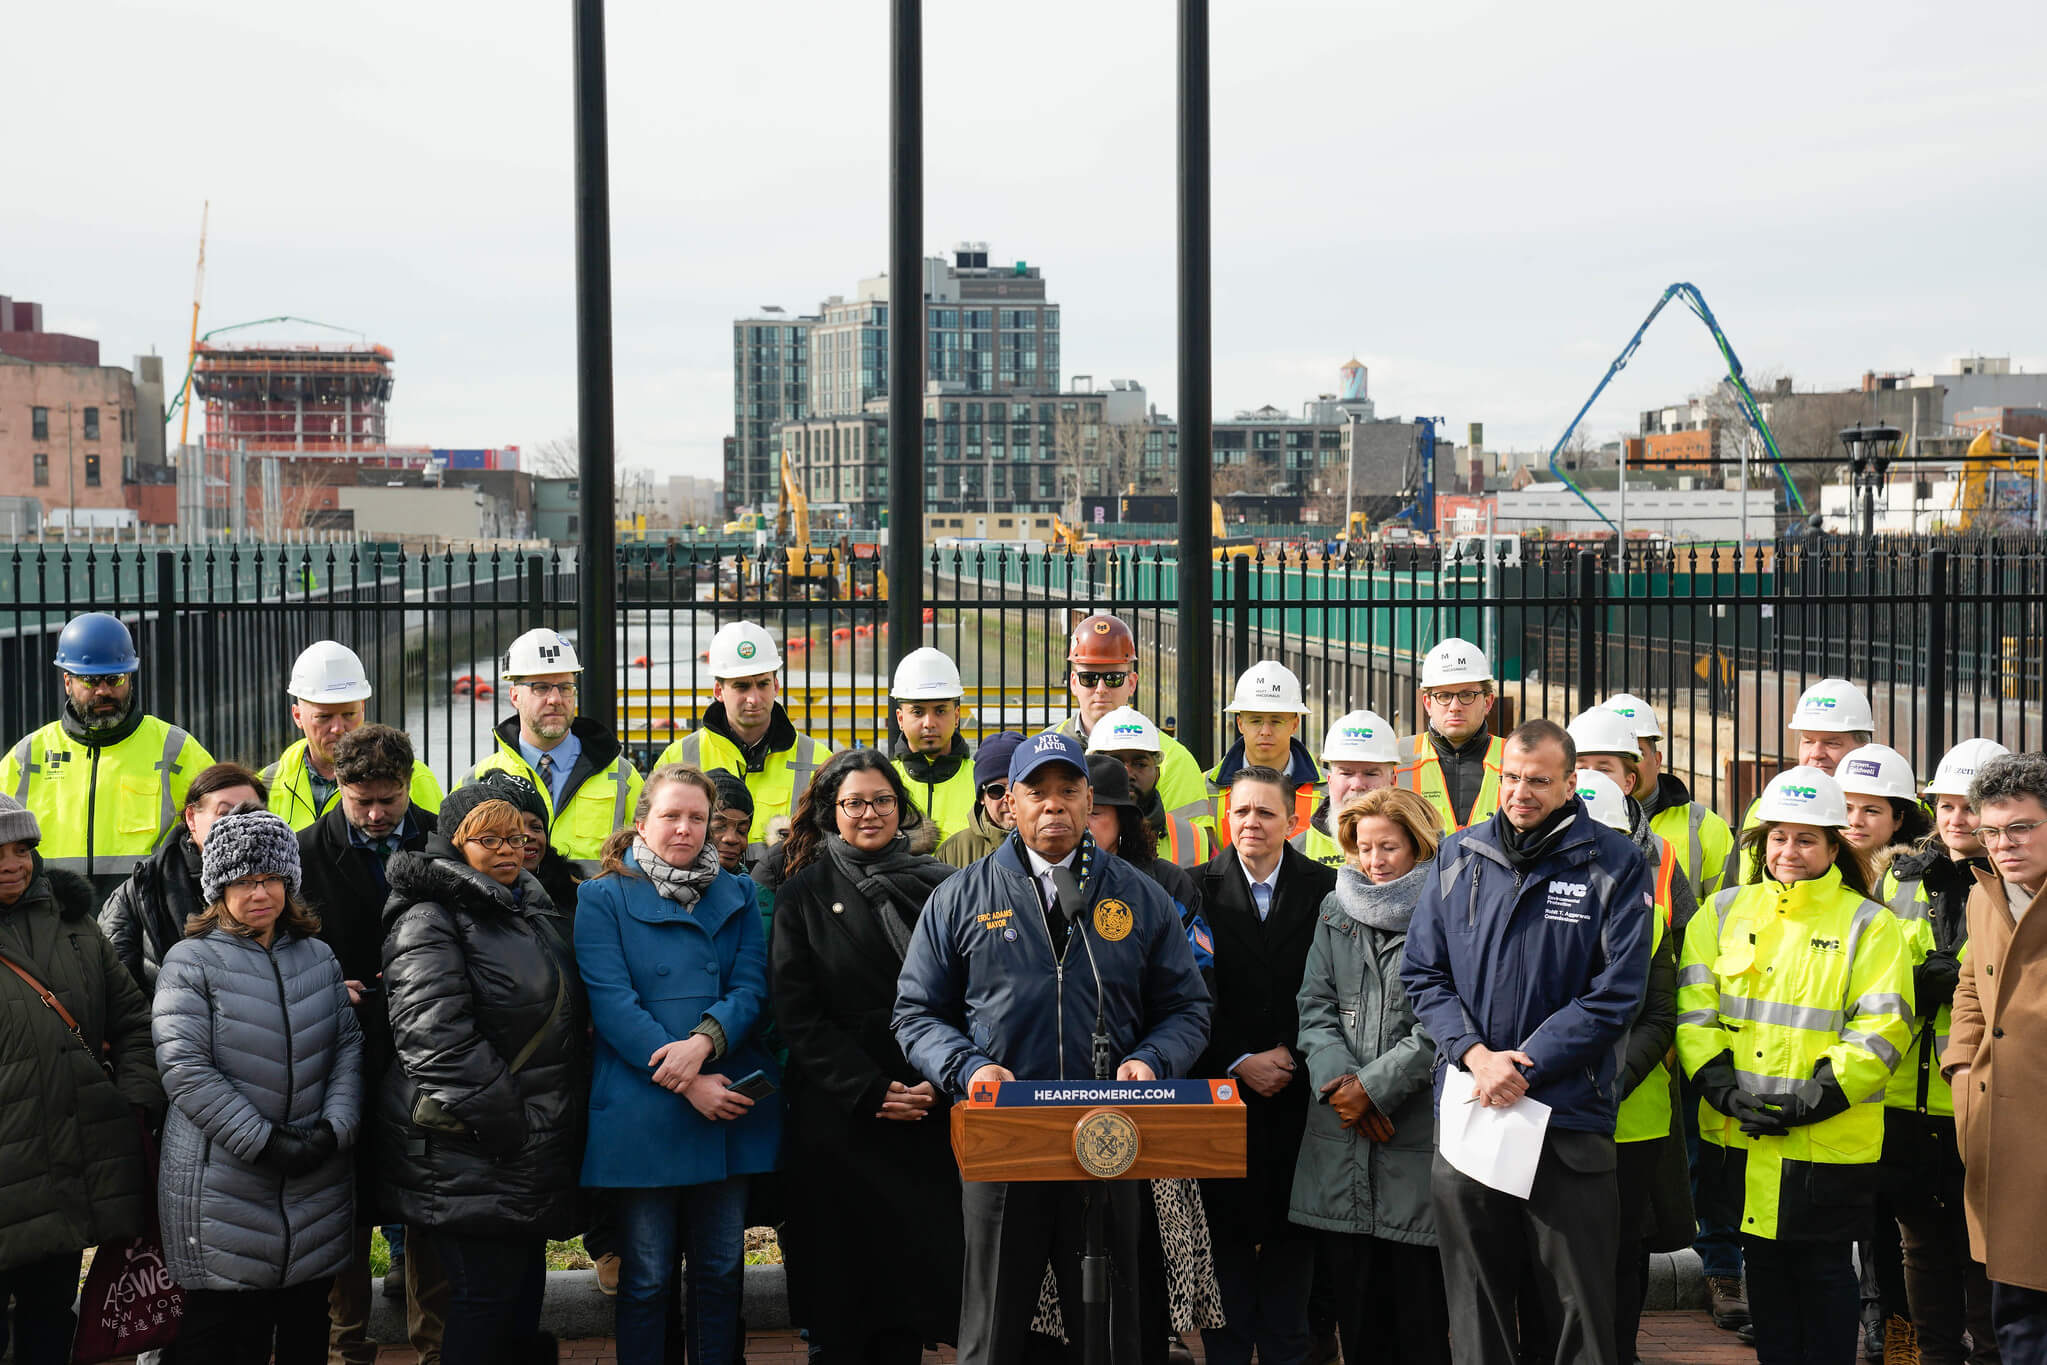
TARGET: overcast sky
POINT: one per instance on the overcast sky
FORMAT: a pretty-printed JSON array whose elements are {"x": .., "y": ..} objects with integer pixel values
[{"x": 1478, "y": 200}]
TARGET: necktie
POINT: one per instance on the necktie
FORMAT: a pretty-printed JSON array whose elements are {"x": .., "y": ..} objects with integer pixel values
[
  {"x": 547, "y": 774},
  {"x": 1261, "y": 895},
  {"x": 1055, "y": 919}
]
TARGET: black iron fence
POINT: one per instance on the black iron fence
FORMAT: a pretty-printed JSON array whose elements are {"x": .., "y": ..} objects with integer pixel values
[{"x": 1948, "y": 637}]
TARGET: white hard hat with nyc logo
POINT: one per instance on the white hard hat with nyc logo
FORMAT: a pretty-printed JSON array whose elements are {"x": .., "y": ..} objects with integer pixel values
[
  {"x": 1125, "y": 729},
  {"x": 1804, "y": 796},
  {"x": 1832, "y": 704},
  {"x": 1267, "y": 686},
  {"x": 1360, "y": 737}
]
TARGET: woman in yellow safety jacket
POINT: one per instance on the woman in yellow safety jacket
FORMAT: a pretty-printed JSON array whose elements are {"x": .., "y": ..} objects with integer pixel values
[{"x": 1794, "y": 1008}]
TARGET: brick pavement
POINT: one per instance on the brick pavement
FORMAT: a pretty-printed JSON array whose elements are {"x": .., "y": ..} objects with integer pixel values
[{"x": 1667, "y": 1339}]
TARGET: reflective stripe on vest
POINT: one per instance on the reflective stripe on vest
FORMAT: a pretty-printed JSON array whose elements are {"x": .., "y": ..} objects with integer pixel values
[
  {"x": 1306, "y": 798},
  {"x": 691, "y": 749},
  {"x": 1905, "y": 902},
  {"x": 1695, "y": 820},
  {"x": 1184, "y": 843},
  {"x": 1666, "y": 877},
  {"x": 28, "y": 769}
]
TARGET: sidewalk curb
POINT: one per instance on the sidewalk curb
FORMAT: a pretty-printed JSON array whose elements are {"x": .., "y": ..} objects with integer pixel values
[{"x": 575, "y": 1307}]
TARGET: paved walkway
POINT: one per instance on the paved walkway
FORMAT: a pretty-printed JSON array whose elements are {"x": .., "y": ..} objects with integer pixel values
[{"x": 1667, "y": 1339}]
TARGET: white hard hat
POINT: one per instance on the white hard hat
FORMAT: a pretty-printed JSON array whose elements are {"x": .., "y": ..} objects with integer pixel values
[
  {"x": 1638, "y": 711},
  {"x": 1455, "y": 661},
  {"x": 1877, "y": 770},
  {"x": 1600, "y": 731},
  {"x": 743, "y": 649},
  {"x": 1833, "y": 704},
  {"x": 1603, "y": 799},
  {"x": 1360, "y": 737},
  {"x": 1803, "y": 796},
  {"x": 540, "y": 651},
  {"x": 1269, "y": 686},
  {"x": 329, "y": 671},
  {"x": 1959, "y": 766},
  {"x": 1125, "y": 728},
  {"x": 927, "y": 675}
]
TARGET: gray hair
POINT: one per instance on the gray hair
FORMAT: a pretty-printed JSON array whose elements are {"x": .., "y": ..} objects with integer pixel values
[{"x": 2009, "y": 777}]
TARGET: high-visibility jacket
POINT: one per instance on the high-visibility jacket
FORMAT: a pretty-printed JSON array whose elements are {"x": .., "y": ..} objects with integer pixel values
[
  {"x": 1184, "y": 843},
  {"x": 1421, "y": 770},
  {"x": 1704, "y": 844},
  {"x": 104, "y": 808},
  {"x": 596, "y": 802},
  {"x": 1645, "y": 1111},
  {"x": 1919, "y": 1074},
  {"x": 784, "y": 775},
  {"x": 1782, "y": 977},
  {"x": 290, "y": 779},
  {"x": 1316, "y": 846},
  {"x": 1182, "y": 789},
  {"x": 948, "y": 804}
]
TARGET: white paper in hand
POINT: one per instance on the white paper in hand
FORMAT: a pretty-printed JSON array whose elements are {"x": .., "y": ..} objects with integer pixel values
[{"x": 1495, "y": 1147}]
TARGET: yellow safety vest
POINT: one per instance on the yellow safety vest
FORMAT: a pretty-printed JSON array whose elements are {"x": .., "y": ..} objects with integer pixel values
[
  {"x": 290, "y": 780},
  {"x": 1704, "y": 844},
  {"x": 1908, "y": 901},
  {"x": 1318, "y": 847},
  {"x": 600, "y": 804},
  {"x": 1307, "y": 796},
  {"x": 784, "y": 775},
  {"x": 948, "y": 804},
  {"x": 1781, "y": 977},
  {"x": 1182, "y": 789},
  {"x": 104, "y": 809},
  {"x": 1423, "y": 772},
  {"x": 1185, "y": 844},
  {"x": 1646, "y": 1111}
]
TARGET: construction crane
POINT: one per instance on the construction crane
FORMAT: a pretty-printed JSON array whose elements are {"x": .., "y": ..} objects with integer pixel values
[
  {"x": 192, "y": 349},
  {"x": 1979, "y": 461},
  {"x": 184, "y": 399},
  {"x": 1695, "y": 301},
  {"x": 1421, "y": 513}
]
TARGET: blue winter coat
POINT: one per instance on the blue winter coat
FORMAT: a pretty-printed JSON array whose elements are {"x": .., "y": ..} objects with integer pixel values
[
  {"x": 1553, "y": 962},
  {"x": 981, "y": 987},
  {"x": 654, "y": 971}
]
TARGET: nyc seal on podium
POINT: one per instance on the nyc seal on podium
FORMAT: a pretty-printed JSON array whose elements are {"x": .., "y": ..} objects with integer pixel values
[{"x": 1105, "y": 1143}]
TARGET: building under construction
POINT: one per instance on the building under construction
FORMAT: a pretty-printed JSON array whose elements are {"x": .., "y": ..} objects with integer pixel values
[{"x": 318, "y": 400}]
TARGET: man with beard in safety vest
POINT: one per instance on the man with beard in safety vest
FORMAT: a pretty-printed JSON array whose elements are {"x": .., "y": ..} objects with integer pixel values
[
  {"x": 936, "y": 766},
  {"x": 588, "y": 783},
  {"x": 1455, "y": 762},
  {"x": 328, "y": 688},
  {"x": 1101, "y": 662},
  {"x": 1359, "y": 755},
  {"x": 106, "y": 781}
]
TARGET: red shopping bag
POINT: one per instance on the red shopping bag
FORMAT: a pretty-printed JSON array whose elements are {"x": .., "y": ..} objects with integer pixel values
[{"x": 130, "y": 1303}]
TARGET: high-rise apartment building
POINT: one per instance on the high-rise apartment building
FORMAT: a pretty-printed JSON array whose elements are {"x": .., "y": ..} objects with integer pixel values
[{"x": 770, "y": 386}]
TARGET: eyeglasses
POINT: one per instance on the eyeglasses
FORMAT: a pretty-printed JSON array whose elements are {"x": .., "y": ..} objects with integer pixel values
[
  {"x": 857, "y": 806},
  {"x": 1101, "y": 679},
  {"x": 1541, "y": 784},
  {"x": 258, "y": 884},
  {"x": 112, "y": 682},
  {"x": 549, "y": 691},
  {"x": 2012, "y": 834},
  {"x": 493, "y": 842},
  {"x": 995, "y": 791},
  {"x": 1468, "y": 697}
]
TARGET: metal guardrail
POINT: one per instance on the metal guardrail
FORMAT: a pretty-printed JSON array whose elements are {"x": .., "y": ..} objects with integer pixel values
[{"x": 1950, "y": 637}]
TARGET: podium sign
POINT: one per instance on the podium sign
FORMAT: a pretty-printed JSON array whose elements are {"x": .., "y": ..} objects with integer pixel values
[{"x": 1100, "y": 1130}]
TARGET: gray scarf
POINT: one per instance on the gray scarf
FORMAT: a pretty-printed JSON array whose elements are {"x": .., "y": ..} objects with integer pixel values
[
  {"x": 1386, "y": 906},
  {"x": 895, "y": 881},
  {"x": 683, "y": 885}
]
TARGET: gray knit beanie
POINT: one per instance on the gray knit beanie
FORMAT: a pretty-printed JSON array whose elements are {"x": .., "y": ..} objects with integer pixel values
[
  {"x": 257, "y": 844},
  {"x": 18, "y": 823}
]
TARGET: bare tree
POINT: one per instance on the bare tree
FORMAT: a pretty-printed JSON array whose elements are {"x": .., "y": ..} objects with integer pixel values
[
  {"x": 551, "y": 459},
  {"x": 1095, "y": 457}
]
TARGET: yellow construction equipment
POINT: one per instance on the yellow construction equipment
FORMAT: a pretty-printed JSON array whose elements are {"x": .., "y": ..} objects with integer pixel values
[
  {"x": 1979, "y": 461},
  {"x": 1223, "y": 545},
  {"x": 1068, "y": 537}
]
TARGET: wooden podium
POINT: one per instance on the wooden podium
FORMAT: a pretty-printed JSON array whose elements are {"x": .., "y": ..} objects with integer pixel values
[{"x": 1100, "y": 1130}]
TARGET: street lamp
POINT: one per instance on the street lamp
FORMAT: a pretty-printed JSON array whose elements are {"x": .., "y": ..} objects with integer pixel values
[{"x": 1870, "y": 452}]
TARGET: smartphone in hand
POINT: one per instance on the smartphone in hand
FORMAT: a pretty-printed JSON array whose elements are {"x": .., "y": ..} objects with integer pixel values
[{"x": 755, "y": 1087}]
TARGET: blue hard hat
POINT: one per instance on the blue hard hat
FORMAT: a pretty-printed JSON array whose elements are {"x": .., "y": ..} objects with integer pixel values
[{"x": 96, "y": 644}]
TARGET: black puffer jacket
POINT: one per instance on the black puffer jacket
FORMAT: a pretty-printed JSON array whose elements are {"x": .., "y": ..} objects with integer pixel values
[
  {"x": 147, "y": 913},
  {"x": 472, "y": 971},
  {"x": 70, "y": 1149}
]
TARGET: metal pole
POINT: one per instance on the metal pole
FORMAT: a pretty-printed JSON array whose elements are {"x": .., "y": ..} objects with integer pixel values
[
  {"x": 1197, "y": 582},
  {"x": 597, "y": 545},
  {"x": 1350, "y": 476},
  {"x": 1936, "y": 659},
  {"x": 1589, "y": 625},
  {"x": 906, "y": 331},
  {"x": 1623, "y": 509}
]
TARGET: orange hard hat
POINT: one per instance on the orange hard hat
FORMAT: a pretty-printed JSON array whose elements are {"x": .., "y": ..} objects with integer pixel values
[{"x": 1102, "y": 641}]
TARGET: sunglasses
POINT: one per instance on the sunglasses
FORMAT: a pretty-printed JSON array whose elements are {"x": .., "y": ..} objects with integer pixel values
[
  {"x": 1101, "y": 679},
  {"x": 995, "y": 791}
]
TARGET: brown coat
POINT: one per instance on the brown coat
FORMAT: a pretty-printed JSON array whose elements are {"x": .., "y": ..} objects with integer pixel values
[{"x": 2001, "y": 1105}]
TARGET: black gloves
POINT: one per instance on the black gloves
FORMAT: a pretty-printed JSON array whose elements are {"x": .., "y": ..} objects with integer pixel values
[
  {"x": 1719, "y": 1088},
  {"x": 1813, "y": 1102},
  {"x": 1933, "y": 981},
  {"x": 300, "y": 1149}
]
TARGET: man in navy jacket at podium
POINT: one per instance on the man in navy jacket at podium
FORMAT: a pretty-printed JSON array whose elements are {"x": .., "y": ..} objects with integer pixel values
[{"x": 1047, "y": 960}]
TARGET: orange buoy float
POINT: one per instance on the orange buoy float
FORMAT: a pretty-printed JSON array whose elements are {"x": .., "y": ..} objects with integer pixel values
[
  {"x": 484, "y": 689},
  {"x": 841, "y": 633},
  {"x": 463, "y": 684},
  {"x": 796, "y": 642},
  {"x": 930, "y": 615},
  {"x": 863, "y": 631},
  {"x": 639, "y": 661}
]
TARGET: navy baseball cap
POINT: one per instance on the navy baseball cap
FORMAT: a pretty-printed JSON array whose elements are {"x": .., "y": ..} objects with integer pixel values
[{"x": 1050, "y": 747}]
